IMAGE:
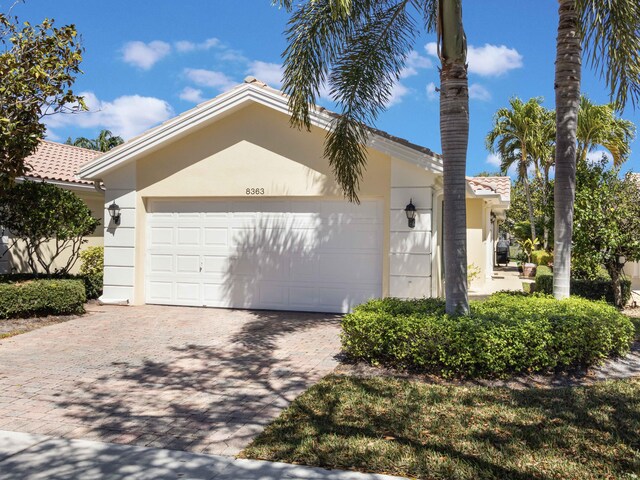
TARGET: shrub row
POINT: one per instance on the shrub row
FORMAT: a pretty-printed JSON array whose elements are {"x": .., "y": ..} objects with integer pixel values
[
  {"x": 598, "y": 289},
  {"x": 541, "y": 257},
  {"x": 93, "y": 282},
  {"x": 41, "y": 297},
  {"x": 506, "y": 334}
]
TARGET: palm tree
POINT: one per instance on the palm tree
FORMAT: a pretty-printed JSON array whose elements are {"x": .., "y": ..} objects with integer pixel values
[
  {"x": 359, "y": 47},
  {"x": 516, "y": 137},
  {"x": 608, "y": 29},
  {"x": 103, "y": 143},
  {"x": 599, "y": 125}
]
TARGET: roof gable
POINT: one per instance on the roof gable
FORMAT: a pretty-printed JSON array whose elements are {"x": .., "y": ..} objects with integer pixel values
[{"x": 251, "y": 91}]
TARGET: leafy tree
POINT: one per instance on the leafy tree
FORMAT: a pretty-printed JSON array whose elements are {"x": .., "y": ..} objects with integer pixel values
[
  {"x": 103, "y": 143},
  {"x": 609, "y": 32},
  {"x": 607, "y": 222},
  {"x": 38, "y": 65},
  {"x": 359, "y": 47},
  {"x": 48, "y": 221},
  {"x": 517, "y": 136},
  {"x": 599, "y": 125}
]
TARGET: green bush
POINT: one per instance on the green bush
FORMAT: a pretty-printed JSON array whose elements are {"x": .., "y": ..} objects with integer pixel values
[
  {"x": 598, "y": 289},
  {"x": 541, "y": 257},
  {"x": 506, "y": 334},
  {"x": 41, "y": 297},
  {"x": 92, "y": 270}
]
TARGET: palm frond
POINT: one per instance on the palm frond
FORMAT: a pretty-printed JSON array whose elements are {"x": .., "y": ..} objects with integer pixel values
[
  {"x": 611, "y": 38},
  {"x": 365, "y": 53}
]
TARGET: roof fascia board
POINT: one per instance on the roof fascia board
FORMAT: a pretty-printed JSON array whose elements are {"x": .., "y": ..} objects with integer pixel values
[{"x": 59, "y": 183}]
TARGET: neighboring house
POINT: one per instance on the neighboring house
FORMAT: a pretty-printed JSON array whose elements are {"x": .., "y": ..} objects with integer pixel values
[
  {"x": 632, "y": 269},
  {"x": 57, "y": 163},
  {"x": 226, "y": 205}
]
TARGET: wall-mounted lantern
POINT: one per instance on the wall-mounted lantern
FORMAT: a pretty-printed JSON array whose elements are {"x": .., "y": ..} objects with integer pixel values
[
  {"x": 493, "y": 217},
  {"x": 410, "y": 210},
  {"x": 114, "y": 213}
]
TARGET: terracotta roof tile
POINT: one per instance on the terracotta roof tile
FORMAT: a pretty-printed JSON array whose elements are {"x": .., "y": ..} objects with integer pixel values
[
  {"x": 501, "y": 185},
  {"x": 57, "y": 161}
]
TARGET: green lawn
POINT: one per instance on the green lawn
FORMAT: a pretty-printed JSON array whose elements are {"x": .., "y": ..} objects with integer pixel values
[{"x": 450, "y": 432}]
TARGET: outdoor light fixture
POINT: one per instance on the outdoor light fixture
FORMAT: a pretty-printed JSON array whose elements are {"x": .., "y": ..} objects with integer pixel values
[
  {"x": 410, "y": 210},
  {"x": 622, "y": 260},
  {"x": 114, "y": 213},
  {"x": 493, "y": 217}
]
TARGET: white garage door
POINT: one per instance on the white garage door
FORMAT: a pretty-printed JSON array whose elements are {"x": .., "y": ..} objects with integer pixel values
[{"x": 307, "y": 255}]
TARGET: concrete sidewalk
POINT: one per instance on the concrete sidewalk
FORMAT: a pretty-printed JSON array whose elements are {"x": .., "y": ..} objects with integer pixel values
[{"x": 25, "y": 456}]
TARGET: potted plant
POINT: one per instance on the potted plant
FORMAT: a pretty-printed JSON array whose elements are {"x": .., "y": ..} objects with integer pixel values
[{"x": 528, "y": 246}]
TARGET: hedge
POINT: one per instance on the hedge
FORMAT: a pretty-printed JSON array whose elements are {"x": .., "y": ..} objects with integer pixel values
[
  {"x": 42, "y": 297},
  {"x": 505, "y": 334},
  {"x": 93, "y": 282},
  {"x": 598, "y": 289}
]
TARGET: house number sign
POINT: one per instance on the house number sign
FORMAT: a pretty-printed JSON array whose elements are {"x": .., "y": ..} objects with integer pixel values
[{"x": 254, "y": 191}]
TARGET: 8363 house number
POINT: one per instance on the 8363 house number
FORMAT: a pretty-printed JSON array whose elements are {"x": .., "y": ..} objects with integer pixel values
[{"x": 254, "y": 191}]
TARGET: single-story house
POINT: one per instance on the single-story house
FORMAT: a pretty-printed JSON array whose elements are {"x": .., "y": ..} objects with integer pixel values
[
  {"x": 226, "y": 205},
  {"x": 57, "y": 163}
]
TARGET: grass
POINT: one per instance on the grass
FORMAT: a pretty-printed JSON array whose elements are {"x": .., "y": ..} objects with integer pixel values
[{"x": 425, "y": 431}]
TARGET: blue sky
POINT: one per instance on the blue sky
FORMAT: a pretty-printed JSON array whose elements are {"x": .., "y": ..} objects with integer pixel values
[{"x": 146, "y": 61}]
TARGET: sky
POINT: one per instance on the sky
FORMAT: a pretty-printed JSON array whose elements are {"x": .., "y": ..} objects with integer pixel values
[{"x": 147, "y": 61}]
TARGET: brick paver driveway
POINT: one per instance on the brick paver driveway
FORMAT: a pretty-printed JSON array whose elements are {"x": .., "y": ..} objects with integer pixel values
[{"x": 203, "y": 380}]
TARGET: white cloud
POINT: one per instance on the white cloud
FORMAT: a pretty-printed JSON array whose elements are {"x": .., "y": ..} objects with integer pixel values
[
  {"x": 432, "y": 91},
  {"x": 488, "y": 60},
  {"x": 145, "y": 55},
  {"x": 397, "y": 93},
  {"x": 269, "y": 73},
  {"x": 209, "y": 78},
  {"x": 478, "y": 92},
  {"x": 494, "y": 160},
  {"x": 596, "y": 156},
  {"x": 432, "y": 49},
  {"x": 126, "y": 116},
  {"x": 185, "y": 46},
  {"x": 191, "y": 94},
  {"x": 415, "y": 62}
]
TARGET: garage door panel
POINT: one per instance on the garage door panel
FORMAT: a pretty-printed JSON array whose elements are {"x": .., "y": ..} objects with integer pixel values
[
  {"x": 159, "y": 263},
  {"x": 188, "y": 292},
  {"x": 160, "y": 291},
  {"x": 216, "y": 236},
  {"x": 187, "y": 263},
  {"x": 161, "y": 236},
  {"x": 188, "y": 236},
  {"x": 314, "y": 255}
]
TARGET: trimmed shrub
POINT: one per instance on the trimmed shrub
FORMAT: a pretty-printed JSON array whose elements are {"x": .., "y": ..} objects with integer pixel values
[
  {"x": 41, "y": 297},
  {"x": 541, "y": 257},
  {"x": 598, "y": 289},
  {"x": 506, "y": 334},
  {"x": 92, "y": 271}
]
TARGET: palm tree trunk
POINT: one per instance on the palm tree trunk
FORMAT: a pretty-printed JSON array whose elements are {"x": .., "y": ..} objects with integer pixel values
[
  {"x": 567, "y": 87},
  {"x": 454, "y": 131},
  {"x": 532, "y": 217},
  {"x": 545, "y": 211}
]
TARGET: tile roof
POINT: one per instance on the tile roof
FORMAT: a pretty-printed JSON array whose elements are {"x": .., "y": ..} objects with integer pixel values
[
  {"x": 57, "y": 161},
  {"x": 501, "y": 185}
]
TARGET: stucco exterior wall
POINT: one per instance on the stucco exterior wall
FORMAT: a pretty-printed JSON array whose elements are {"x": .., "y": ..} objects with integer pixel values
[
  {"x": 15, "y": 260},
  {"x": 632, "y": 270},
  {"x": 476, "y": 235}
]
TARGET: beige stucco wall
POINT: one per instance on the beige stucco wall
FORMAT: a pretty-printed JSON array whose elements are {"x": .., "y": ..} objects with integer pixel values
[
  {"x": 253, "y": 148},
  {"x": 15, "y": 258},
  {"x": 476, "y": 246}
]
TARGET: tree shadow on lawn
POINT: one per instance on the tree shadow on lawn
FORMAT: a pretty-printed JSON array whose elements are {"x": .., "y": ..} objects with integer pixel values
[
  {"x": 423, "y": 431},
  {"x": 206, "y": 397}
]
